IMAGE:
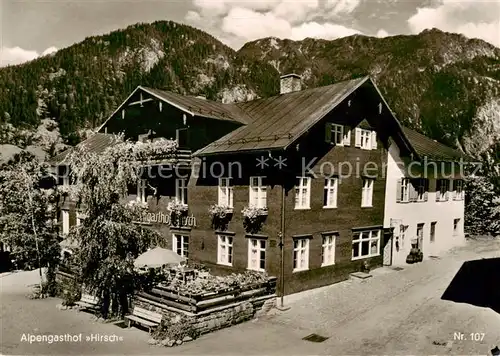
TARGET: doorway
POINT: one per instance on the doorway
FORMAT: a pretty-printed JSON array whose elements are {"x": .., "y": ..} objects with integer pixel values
[{"x": 420, "y": 237}]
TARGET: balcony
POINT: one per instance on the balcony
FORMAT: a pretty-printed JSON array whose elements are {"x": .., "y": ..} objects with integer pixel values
[{"x": 179, "y": 156}]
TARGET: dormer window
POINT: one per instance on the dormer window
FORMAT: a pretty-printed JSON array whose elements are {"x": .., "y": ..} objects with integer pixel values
[
  {"x": 338, "y": 135},
  {"x": 366, "y": 139}
]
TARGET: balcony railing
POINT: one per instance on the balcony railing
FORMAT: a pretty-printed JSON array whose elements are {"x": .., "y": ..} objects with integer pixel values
[{"x": 178, "y": 156}]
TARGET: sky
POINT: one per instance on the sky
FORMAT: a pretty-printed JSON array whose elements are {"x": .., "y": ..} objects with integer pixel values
[{"x": 31, "y": 28}]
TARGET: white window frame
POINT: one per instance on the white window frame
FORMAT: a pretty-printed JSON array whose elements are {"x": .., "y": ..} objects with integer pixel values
[
  {"x": 367, "y": 193},
  {"x": 405, "y": 190},
  {"x": 181, "y": 191},
  {"x": 141, "y": 190},
  {"x": 65, "y": 221},
  {"x": 331, "y": 193},
  {"x": 338, "y": 134},
  {"x": 225, "y": 250},
  {"x": 225, "y": 195},
  {"x": 303, "y": 193},
  {"x": 184, "y": 242},
  {"x": 366, "y": 139},
  {"x": 257, "y": 192},
  {"x": 421, "y": 189},
  {"x": 328, "y": 250},
  {"x": 255, "y": 249},
  {"x": 300, "y": 255},
  {"x": 79, "y": 217},
  {"x": 366, "y": 235}
]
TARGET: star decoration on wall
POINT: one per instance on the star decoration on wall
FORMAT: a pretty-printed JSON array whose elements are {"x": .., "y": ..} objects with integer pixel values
[
  {"x": 280, "y": 162},
  {"x": 262, "y": 162}
]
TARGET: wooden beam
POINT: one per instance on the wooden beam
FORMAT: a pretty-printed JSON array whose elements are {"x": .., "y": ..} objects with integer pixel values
[{"x": 140, "y": 102}]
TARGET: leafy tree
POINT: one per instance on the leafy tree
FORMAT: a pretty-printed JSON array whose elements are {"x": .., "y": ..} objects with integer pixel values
[
  {"x": 27, "y": 215},
  {"x": 108, "y": 239}
]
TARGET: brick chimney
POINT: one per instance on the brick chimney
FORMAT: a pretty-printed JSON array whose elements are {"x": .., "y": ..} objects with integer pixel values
[{"x": 290, "y": 83}]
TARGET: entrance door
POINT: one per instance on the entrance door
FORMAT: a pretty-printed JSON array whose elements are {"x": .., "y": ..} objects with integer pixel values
[
  {"x": 388, "y": 237},
  {"x": 420, "y": 237}
]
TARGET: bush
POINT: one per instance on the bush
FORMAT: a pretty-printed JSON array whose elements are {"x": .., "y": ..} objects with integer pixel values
[
  {"x": 70, "y": 291},
  {"x": 175, "y": 329}
]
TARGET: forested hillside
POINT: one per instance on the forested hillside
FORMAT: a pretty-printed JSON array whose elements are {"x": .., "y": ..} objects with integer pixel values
[{"x": 442, "y": 84}]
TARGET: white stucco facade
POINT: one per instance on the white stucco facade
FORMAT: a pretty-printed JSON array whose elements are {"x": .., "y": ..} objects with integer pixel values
[{"x": 447, "y": 216}]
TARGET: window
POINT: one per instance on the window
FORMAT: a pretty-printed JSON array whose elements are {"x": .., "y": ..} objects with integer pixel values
[
  {"x": 63, "y": 175},
  {"x": 442, "y": 187},
  {"x": 337, "y": 134},
  {"x": 225, "y": 192},
  {"x": 433, "y": 231},
  {"x": 257, "y": 254},
  {"x": 302, "y": 192},
  {"x": 458, "y": 188},
  {"x": 258, "y": 193},
  {"x": 180, "y": 244},
  {"x": 366, "y": 139},
  {"x": 402, "y": 234},
  {"x": 328, "y": 250},
  {"x": 225, "y": 250},
  {"x": 421, "y": 186},
  {"x": 456, "y": 225},
  {"x": 300, "y": 255},
  {"x": 141, "y": 190},
  {"x": 367, "y": 193},
  {"x": 404, "y": 194},
  {"x": 366, "y": 244},
  {"x": 79, "y": 218},
  {"x": 181, "y": 191},
  {"x": 65, "y": 221},
  {"x": 330, "y": 194}
]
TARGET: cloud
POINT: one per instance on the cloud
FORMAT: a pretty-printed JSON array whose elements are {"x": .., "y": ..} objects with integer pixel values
[
  {"x": 340, "y": 7},
  {"x": 382, "y": 33},
  {"x": 296, "y": 11},
  {"x": 474, "y": 19},
  {"x": 251, "y": 25},
  {"x": 18, "y": 55}
]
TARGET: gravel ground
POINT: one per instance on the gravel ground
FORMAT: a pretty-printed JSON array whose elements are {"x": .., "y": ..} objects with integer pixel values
[{"x": 394, "y": 312}]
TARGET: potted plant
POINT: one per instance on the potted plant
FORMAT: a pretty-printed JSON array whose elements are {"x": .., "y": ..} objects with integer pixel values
[
  {"x": 177, "y": 211},
  {"x": 253, "y": 218},
  {"x": 221, "y": 215}
]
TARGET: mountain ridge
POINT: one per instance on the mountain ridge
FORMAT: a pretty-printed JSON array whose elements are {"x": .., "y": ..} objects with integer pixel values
[{"x": 443, "y": 85}]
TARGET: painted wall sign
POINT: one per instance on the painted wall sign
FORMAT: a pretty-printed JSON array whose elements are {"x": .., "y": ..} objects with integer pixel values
[{"x": 162, "y": 218}]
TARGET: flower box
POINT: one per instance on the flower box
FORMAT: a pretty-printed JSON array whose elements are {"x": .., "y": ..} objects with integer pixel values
[{"x": 251, "y": 212}]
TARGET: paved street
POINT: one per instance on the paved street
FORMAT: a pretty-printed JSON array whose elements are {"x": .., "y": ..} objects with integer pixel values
[{"x": 394, "y": 312}]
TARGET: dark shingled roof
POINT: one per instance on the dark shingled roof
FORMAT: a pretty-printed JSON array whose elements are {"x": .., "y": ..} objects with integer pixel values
[
  {"x": 433, "y": 150},
  {"x": 96, "y": 143},
  {"x": 201, "y": 107},
  {"x": 278, "y": 121}
]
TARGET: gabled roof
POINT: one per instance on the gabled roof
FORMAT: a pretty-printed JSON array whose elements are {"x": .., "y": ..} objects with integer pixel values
[
  {"x": 278, "y": 121},
  {"x": 96, "y": 143},
  {"x": 433, "y": 150},
  {"x": 200, "y": 107}
]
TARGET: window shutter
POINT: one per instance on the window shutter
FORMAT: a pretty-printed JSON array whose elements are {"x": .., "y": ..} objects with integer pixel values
[
  {"x": 347, "y": 136},
  {"x": 328, "y": 132},
  {"x": 374, "y": 140},
  {"x": 398, "y": 191},
  {"x": 357, "y": 137}
]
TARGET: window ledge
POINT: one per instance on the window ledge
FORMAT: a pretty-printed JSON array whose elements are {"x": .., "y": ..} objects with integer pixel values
[
  {"x": 300, "y": 270},
  {"x": 225, "y": 264},
  {"x": 256, "y": 270},
  {"x": 327, "y": 264},
  {"x": 302, "y": 208},
  {"x": 364, "y": 257},
  {"x": 367, "y": 206},
  {"x": 330, "y": 207}
]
